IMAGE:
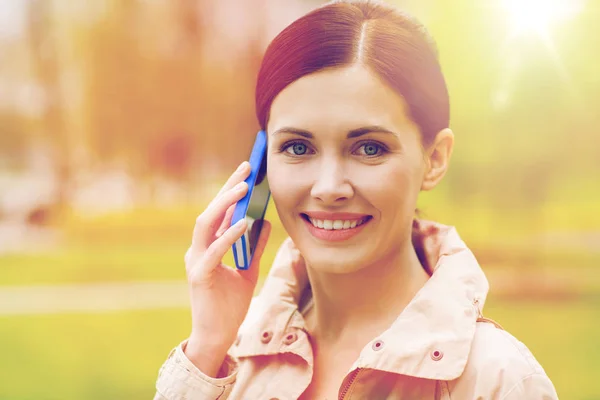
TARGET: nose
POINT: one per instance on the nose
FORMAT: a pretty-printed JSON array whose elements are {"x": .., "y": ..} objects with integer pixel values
[{"x": 331, "y": 185}]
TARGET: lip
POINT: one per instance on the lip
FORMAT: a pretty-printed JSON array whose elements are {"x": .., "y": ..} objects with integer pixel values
[
  {"x": 335, "y": 235},
  {"x": 346, "y": 216}
]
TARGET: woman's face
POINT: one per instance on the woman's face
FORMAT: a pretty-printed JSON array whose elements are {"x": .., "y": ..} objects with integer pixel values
[{"x": 345, "y": 166}]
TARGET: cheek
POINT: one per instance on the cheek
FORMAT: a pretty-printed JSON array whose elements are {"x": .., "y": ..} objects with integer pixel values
[
  {"x": 288, "y": 185},
  {"x": 391, "y": 186}
]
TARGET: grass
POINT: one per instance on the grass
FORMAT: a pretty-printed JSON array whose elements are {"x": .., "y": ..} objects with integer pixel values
[
  {"x": 85, "y": 264},
  {"x": 87, "y": 356},
  {"x": 117, "y": 355}
]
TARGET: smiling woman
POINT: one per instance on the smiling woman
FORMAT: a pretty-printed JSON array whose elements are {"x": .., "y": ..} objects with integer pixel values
[
  {"x": 363, "y": 300},
  {"x": 361, "y": 133}
]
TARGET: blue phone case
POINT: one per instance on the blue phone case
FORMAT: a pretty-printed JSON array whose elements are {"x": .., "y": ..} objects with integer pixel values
[{"x": 241, "y": 248}]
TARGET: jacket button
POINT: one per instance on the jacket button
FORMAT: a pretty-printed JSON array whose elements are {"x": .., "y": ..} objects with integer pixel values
[
  {"x": 437, "y": 355},
  {"x": 290, "y": 338},
  {"x": 266, "y": 336},
  {"x": 377, "y": 345}
]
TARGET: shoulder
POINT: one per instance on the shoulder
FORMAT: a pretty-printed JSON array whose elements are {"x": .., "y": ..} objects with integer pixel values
[
  {"x": 494, "y": 348},
  {"x": 501, "y": 367}
]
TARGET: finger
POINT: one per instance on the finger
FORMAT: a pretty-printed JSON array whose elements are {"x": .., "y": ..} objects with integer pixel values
[
  {"x": 237, "y": 177},
  {"x": 226, "y": 221},
  {"x": 240, "y": 174},
  {"x": 217, "y": 250},
  {"x": 253, "y": 271},
  {"x": 209, "y": 221}
]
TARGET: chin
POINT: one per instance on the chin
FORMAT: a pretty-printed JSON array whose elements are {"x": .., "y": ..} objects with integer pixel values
[{"x": 333, "y": 260}]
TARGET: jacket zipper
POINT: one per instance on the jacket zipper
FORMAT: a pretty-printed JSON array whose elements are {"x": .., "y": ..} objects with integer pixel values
[{"x": 346, "y": 388}]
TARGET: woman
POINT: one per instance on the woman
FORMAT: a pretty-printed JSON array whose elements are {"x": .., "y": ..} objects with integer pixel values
[{"x": 363, "y": 301}]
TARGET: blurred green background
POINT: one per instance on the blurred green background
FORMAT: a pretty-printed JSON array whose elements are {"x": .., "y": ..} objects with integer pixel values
[{"x": 119, "y": 120}]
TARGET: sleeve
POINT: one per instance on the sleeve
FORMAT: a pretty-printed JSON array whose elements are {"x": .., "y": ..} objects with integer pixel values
[
  {"x": 532, "y": 387},
  {"x": 180, "y": 379}
]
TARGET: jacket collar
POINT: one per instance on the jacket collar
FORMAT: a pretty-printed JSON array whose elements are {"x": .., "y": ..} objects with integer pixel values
[{"x": 430, "y": 339}]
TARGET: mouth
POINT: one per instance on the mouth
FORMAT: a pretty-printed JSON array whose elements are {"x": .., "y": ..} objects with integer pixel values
[{"x": 336, "y": 224}]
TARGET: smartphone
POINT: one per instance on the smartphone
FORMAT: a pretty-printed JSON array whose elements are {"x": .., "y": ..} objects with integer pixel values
[{"x": 254, "y": 205}]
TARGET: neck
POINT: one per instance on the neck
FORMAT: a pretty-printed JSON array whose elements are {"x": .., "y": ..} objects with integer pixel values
[{"x": 367, "y": 300}]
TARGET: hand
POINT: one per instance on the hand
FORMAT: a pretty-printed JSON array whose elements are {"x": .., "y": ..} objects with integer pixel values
[{"x": 219, "y": 295}]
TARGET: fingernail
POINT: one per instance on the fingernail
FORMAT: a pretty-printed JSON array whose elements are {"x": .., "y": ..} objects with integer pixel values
[
  {"x": 241, "y": 167},
  {"x": 240, "y": 186}
]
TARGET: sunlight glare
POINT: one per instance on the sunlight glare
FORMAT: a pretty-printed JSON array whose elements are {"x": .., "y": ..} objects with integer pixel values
[{"x": 537, "y": 16}]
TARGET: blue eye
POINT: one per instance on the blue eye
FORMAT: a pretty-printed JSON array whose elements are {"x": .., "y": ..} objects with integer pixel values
[
  {"x": 371, "y": 149},
  {"x": 297, "y": 149}
]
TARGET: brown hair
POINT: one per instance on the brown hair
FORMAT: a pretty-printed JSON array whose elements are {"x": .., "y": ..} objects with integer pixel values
[{"x": 388, "y": 42}]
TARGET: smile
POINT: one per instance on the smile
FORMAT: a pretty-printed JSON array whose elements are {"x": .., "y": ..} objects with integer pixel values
[
  {"x": 337, "y": 224},
  {"x": 337, "y": 227}
]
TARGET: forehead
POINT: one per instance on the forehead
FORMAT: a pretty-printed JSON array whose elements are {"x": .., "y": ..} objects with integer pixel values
[{"x": 337, "y": 100}]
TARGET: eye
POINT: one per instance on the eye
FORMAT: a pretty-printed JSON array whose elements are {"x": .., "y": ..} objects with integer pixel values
[
  {"x": 371, "y": 149},
  {"x": 295, "y": 148}
]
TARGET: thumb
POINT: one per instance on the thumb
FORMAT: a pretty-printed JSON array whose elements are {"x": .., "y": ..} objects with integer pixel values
[{"x": 253, "y": 271}]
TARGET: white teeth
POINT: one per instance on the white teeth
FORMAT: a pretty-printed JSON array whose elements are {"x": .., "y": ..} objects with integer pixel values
[{"x": 337, "y": 224}]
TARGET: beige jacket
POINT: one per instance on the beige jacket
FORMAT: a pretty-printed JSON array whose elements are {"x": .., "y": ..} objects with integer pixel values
[{"x": 439, "y": 347}]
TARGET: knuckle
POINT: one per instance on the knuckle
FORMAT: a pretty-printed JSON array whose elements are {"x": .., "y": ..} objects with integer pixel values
[
  {"x": 230, "y": 196},
  {"x": 200, "y": 219},
  {"x": 238, "y": 188}
]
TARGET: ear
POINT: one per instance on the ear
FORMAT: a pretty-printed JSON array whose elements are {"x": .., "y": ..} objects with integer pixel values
[{"x": 438, "y": 158}]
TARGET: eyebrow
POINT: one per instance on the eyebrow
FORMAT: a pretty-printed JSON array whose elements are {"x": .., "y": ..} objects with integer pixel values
[{"x": 354, "y": 133}]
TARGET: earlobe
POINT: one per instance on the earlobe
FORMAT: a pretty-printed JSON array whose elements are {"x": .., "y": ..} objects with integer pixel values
[{"x": 438, "y": 159}]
